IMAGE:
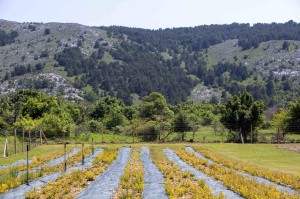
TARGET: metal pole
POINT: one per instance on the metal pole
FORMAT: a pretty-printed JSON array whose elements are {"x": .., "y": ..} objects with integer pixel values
[
  {"x": 27, "y": 173},
  {"x": 82, "y": 162}
]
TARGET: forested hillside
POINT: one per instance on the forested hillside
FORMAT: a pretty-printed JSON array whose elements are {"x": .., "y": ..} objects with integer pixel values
[{"x": 203, "y": 63}]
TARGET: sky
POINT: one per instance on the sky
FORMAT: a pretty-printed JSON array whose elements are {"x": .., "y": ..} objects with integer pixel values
[{"x": 151, "y": 14}]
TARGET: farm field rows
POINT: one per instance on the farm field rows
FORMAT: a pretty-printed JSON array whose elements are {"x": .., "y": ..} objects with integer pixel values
[{"x": 160, "y": 170}]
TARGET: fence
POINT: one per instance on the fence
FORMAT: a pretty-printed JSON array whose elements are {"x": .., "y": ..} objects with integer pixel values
[{"x": 16, "y": 142}]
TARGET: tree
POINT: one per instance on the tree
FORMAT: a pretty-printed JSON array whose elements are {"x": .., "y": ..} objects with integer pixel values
[
  {"x": 294, "y": 117},
  {"x": 154, "y": 105},
  {"x": 57, "y": 124},
  {"x": 181, "y": 123},
  {"x": 47, "y": 31},
  {"x": 27, "y": 123},
  {"x": 242, "y": 114},
  {"x": 285, "y": 45},
  {"x": 281, "y": 121}
]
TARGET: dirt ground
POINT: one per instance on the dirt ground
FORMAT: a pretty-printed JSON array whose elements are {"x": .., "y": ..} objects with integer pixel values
[{"x": 291, "y": 148}]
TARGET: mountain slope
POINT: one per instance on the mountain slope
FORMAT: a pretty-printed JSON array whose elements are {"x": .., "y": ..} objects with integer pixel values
[{"x": 204, "y": 62}]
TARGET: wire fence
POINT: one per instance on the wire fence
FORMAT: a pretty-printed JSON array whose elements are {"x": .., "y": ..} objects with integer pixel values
[{"x": 15, "y": 141}]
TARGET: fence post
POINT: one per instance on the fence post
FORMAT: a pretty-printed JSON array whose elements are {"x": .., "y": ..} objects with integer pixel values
[
  {"x": 222, "y": 134},
  {"x": 251, "y": 134},
  {"x": 242, "y": 139},
  {"x": 41, "y": 138},
  {"x": 93, "y": 146},
  {"x": 35, "y": 137},
  {"x": 5, "y": 154},
  {"x": 82, "y": 161},
  {"x": 15, "y": 141},
  {"x": 27, "y": 170},
  {"x": 65, "y": 158},
  {"x": 23, "y": 138},
  {"x": 102, "y": 136},
  {"x": 29, "y": 136}
]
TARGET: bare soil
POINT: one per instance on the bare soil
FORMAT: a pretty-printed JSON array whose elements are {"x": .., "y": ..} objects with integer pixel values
[{"x": 291, "y": 148}]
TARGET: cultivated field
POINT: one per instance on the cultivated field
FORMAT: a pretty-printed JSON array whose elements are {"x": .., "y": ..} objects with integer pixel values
[{"x": 144, "y": 170}]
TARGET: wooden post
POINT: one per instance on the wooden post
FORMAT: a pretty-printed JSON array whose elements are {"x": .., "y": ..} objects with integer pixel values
[
  {"x": 132, "y": 135},
  {"x": 65, "y": 158},
  {"x": 251, "y": 134},
  {"x": 29, "y": 136},
  {"x": 23, "y": 138},
  {"x": 5, "y": 151},
  {"x": 35, "y": 137},
  {"x": 194, "y": 132},
  {"x": 277, "y": 135},
  {"x": 82, "y": 161},
  {"x": 242, "y": 139},
  {"x": 222, "y": 134},
  {"x": 45, "y": 137},
  {"x": 102, "y": 129},
  {"x": 27, "y": 173},
  {"x": 15, "y": 141},
  {"x": 41, "y": 138},
  {"x": 93, "y": 146}
]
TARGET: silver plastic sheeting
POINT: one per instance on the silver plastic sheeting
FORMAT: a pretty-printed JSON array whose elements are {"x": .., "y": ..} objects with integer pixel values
[
  {"x": 153, "y": 178},
  {"x": 256, "y": 178},
  {"x": 216, "y": 186},
  {"x": 106, "y": 184},
  {"x": 20, "y": 192}
]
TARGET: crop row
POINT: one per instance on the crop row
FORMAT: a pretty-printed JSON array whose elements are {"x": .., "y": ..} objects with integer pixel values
[
  {"x": 131, "y": 183},
  {"x": 36, "y": 161},
  {"x": 12, "y": 180},
  {"x": 71, "y": 184},
  {"x": 274, "y": 176},
  {"x": 182, "y": 184},
  {"x": 246, "y": 187}
]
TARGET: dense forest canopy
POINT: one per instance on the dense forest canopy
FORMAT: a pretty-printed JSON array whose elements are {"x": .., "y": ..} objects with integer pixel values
[
  {"x": 201, "y": 37},
  {"x": 130, "y": 63},
  {"x": 139, "y": 66}
]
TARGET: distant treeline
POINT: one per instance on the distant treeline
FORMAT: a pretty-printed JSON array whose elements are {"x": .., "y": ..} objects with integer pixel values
[{"x": 201, "y": 37}]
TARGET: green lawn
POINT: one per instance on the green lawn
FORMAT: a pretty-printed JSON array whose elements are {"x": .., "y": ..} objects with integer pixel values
[
  {"x": 263, "y": 155},
  {"x": 34, "y": 152}
]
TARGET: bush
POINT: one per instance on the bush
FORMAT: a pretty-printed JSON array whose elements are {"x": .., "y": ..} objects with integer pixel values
[
  {"x": 47, "y": 31},
  {"x": 149, "y": 132}
]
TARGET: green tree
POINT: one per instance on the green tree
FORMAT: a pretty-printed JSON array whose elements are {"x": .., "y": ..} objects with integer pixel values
[
  {"x": 57, "y": 123},
  {"x": 281, "y": 120},
  {"x": 241, "y": 114},
  {"x": 153, "y": 106},
  {"x": 294, "y": 117},
  {"x": 36, "y": 107},
  {"x": 181, "y": 124}
]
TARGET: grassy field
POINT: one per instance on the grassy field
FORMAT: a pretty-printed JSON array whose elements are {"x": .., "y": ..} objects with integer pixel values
[
  {"x": 262, "y": 155},
  {"x": 35, "y": 152}
]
